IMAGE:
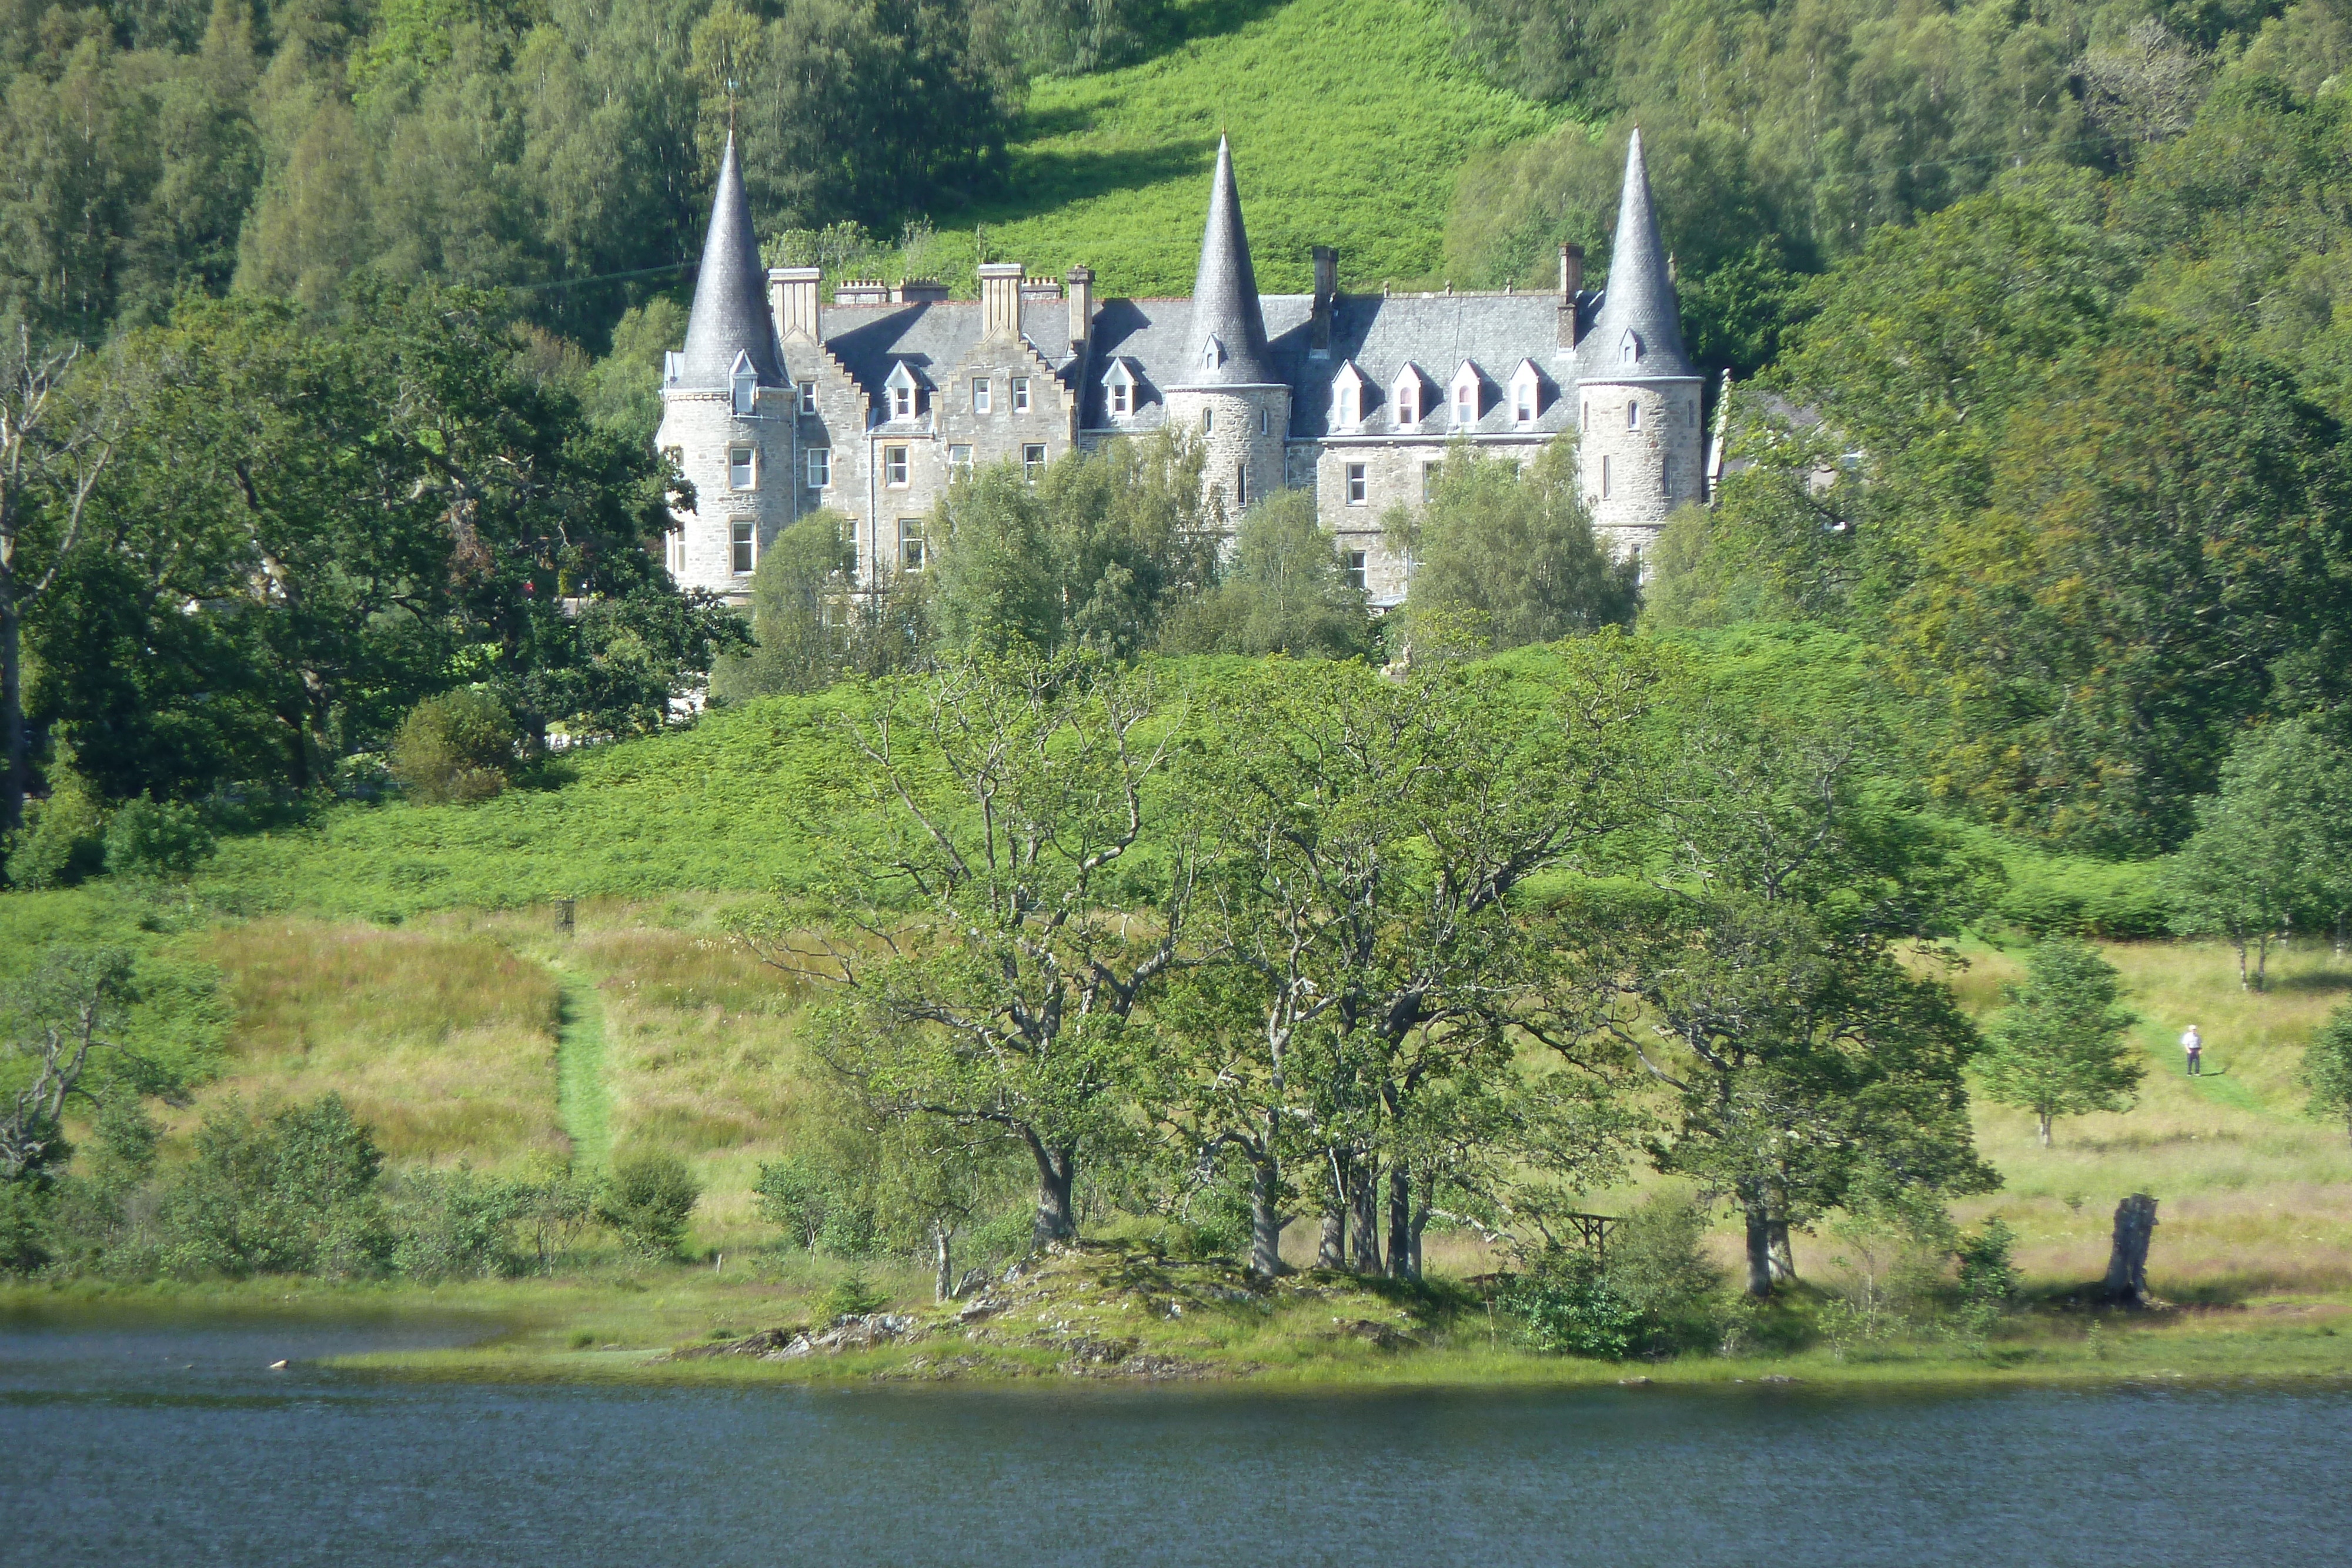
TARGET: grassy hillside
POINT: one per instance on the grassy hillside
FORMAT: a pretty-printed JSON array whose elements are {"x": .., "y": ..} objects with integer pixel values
[{"x": 1349, "y": 121}]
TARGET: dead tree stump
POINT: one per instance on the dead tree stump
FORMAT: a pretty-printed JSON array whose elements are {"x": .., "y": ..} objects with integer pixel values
[{"x": 2126, "y": 1283}]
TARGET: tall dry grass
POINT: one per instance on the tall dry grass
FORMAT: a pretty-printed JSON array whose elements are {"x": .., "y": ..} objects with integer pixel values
[{"x": 442, "y": 1039}]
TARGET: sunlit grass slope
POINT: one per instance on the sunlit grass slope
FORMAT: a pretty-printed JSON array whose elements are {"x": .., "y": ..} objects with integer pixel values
[
  {"x": 1349, "y": 121},
  {"x": 2253, "y": 1196}
]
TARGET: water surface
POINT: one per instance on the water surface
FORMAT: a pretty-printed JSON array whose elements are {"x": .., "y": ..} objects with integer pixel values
[{"x": 120, "y": 1444}]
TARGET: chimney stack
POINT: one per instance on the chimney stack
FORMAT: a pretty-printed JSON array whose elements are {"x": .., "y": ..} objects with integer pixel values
[
  {"x": 1571, "y": 284},
  {"x": 999, "y": 301},
  {"x": 792, "y": 297},
  {"x": 1326, "y": 295},
  {"x": 1081, "y": 281}
]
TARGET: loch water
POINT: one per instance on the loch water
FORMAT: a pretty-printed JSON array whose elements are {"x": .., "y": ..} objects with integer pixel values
[{"x": 123, "y": 1444}]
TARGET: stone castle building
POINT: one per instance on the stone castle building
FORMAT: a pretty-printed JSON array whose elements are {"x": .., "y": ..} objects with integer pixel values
[{"x": 872, "y": 403}]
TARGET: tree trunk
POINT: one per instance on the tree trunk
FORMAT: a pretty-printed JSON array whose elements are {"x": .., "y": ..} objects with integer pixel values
[
  {"x": 1364, "y": 1202},
  {"x": 1267, "y": 1218},
  {"x": 2126, "y": 1283},
  {"x": 942, "y": 1244},
  {"x": 1331, "y": 1247},
  {"x": 1401, "y": 1224},
  {"x": 2243, "y": 982},
  {"x": 1056, "y": 1173},
  {"x": 2263, "y": 962},
  {"x": 1421, "y": 1218},
  {"x": 15, "y": 750},
  {"x": 2044, "y": 1117},
  {"x": 1759, "y": 1252},
  {"x": 1784, "y": 1257}
]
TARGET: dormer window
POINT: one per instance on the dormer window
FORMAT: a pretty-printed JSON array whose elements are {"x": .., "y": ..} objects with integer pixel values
[
  {"x": 1348, "y": 397},
  {"x": 1212, "y": 354},
  {"x": 1526, "y": 394},
  {"x": 901, "y": 389},
  {"x": 1120, "y": 382},
  {"x": 1629, "y": 350},
  {"x": 746, "y": 381},
  {"x": 1412, "y": 407},
  {"x": 1465, "y": 395}
]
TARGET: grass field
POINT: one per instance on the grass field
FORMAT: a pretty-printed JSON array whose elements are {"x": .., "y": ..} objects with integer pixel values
[{"x": 1349, "y": 121}]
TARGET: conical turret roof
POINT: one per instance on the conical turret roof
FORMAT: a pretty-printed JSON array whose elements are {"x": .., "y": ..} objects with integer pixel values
[
  {"x": 1639, "y": 298},
  {"x": 730, "y": 305},
  {"x": 1225, "y": 310}
]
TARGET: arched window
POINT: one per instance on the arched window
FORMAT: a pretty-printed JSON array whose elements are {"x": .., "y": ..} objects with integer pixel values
[{"x": 1633, "y": 415}]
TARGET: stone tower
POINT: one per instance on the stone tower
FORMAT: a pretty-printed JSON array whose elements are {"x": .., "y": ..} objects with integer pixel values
[
  {"x": 726, "y": 408},
  {"x": 1641, "y": 449},
  {"x": 1228, "y": 393}
]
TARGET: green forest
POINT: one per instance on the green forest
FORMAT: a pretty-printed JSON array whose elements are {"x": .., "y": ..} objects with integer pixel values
[{"x": 1107, "y": 880}]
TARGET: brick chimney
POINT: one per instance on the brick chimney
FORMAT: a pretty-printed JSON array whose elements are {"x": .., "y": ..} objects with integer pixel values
[
  {"x": 1081, "y": 281},
  {"x": 1326, "y": 295},
  {"x": 1571, "y": 284},
  {"x": 999, "y": 301},
  {"x": 792, "y": 297}
]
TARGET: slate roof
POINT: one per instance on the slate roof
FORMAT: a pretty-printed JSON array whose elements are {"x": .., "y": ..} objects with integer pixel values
[
  {"x": 1226, "y": 308},
  {"x": 1640, "y": 298},
  {"x": 932, "y": 338},
  {"x": 730, "y": 300},
  {"x": 1379, "y": 335}
]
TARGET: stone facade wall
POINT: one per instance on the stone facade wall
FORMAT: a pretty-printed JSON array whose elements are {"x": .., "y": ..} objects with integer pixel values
[
  {"x": 1649, "y": 471},
  {"x": 701, "y": 428},
  {"x": 1250, "y": 433}
]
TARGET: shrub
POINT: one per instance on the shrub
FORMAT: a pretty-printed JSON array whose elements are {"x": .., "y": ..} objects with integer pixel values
[
  {"x": 61, "y": 840},
  {"x": 163, "y": 840},
  {"x": 292, "y": 1192},
  {"x": 454, "y": 748},
  {"x": 1988, "y": 1274},
  {"x": 853, "y": 1296},
  {"x": 1566, "y": 1306},
  {"x": 647, "y": 1201},
  {"x": 455, "y": 1225},
  {"x": 817, "y": 1207},
  {"x": 24, "y": 1227},
  {"x": 1657, "y": 1264}
]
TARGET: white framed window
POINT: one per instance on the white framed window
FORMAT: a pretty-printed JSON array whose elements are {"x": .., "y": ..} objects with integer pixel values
[
  {"x": 1356, "y": 575},
  {"x": 1408, "y": 402},
  {"x": 819, "y": 467},
  {"x": 959, "y": 461},
  {"x": 1357, "y": 484},
  {"x": 902, "y": 402},
  {"x": 1032, "y": 461},
  {"x": 1208, "y": 422},
  {"x": 1526, "y": 410},
  {"x": 744, "y": 545},
  {"x": 1604, "y": 476},
  {"x": 742, "y": 468},
  {"x": 983, "y": 396},
  {"x": 911, "y": 544},
  {"x": 1466, "y": 404},
  {"x": 674, "y": 550},
  {"x": 1633, "y": 414},
  {"x": 894, "y": 467},
  {"x": 1351, "y": 406},
  {"x": 1021, "y": 394},
  {"x": 1122, "y": 398},
  {"x": 808, "y": 397}
]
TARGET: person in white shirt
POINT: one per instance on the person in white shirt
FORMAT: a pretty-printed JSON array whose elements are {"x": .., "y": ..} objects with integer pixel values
[{"x": 2193, "y": 1044}]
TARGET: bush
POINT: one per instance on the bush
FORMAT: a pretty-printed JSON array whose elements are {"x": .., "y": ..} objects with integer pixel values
[
  {"x": 1988, "y": 1274},
  {"x": 1566, "y": 1307},
  {"x": 455, "y": 749},
  {"x": 455, "y": 1225},
  {"x": 163, "y": 840},
  {"x": 293, "y": 1192},
  {"x": 853, "y": 1296},
  {"x": 1657, "y": 1264},
  {"x": 817, "y": 1207},
  {"x": 24, "y": 1227},
  {"x": 62, "y": 839},
  {"x": 649, "y": 1200}
]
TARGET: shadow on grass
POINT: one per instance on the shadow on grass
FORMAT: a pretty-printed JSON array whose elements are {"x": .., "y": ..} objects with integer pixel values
[{"x": 1044, "y": 181}]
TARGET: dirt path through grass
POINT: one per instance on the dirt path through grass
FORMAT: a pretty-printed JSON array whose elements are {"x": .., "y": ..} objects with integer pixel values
[{"x": 584, "y": 1102}]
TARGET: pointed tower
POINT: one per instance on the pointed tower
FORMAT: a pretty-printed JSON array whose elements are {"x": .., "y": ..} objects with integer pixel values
[
  {"x": 1640, "y": 448},
  {"x": 727, "y": 407},
  {"x": 1228, "y": 393}
]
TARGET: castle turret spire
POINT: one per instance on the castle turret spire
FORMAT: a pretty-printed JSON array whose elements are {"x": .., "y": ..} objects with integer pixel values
[
  {"x": 731, "y": 310},
  {"x": 1638, "y": 333},
  {"x": 1228, "y": 338}
]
